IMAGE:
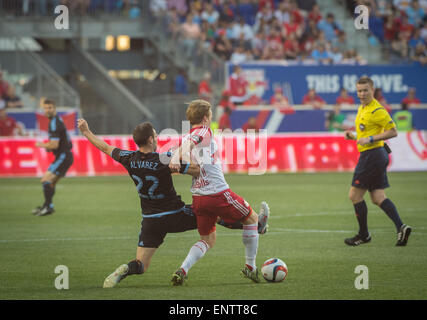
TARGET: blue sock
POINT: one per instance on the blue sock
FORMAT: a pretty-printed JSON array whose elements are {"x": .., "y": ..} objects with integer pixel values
[
  {"x": 390, "y": 209},
  {"x": 361, "y": 211}
]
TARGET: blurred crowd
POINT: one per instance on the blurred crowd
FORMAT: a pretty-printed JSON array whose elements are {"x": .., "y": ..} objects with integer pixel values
[
  {"x": 244, "y": 30},
  {"x": 401, "y": 25},
  {"x": 131, "y": 8}
]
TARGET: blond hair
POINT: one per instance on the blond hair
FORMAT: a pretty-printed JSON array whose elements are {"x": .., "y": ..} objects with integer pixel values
[{"x": 197, "y": 110}]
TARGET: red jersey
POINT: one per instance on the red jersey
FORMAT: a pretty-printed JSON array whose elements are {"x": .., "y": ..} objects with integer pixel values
[
  {"x": 237, "y": 86},
  {"x": 348, "y": 100},
  {"x": 7, "y": 127},
  {"x": 224, "y": 122},
  {"x": 204, "y": 89},
  {"x": 411, "y": 101}
]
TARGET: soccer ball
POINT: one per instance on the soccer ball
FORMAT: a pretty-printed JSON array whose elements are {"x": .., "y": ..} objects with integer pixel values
[{"x": 274, "y": 270}]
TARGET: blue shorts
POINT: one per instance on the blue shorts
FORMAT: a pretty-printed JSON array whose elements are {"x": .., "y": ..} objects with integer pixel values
[
  {"x": 371, "y": 170},
  {"x": 62, "y": 163}
]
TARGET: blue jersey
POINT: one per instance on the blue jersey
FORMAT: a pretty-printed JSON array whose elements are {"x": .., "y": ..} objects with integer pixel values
[
  {"x": 153, "y": 181},
  {"x": 58, "y": 131}
]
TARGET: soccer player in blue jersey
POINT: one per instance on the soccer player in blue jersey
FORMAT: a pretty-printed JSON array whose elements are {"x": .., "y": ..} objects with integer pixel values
[{"x": 60, "y": 144}]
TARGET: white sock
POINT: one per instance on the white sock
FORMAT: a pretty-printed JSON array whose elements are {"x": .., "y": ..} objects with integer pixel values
[
  {"x": 196, "y": 252},
  {"x": 250, "y": 240}
]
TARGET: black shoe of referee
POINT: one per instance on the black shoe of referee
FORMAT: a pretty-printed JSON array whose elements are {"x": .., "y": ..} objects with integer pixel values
[
  {"x": 357, "y": 240},
  {"x": 403, "y": 235}
]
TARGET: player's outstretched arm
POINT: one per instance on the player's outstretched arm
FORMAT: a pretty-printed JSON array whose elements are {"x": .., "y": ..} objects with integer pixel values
[{"x": 100, "y": 144}]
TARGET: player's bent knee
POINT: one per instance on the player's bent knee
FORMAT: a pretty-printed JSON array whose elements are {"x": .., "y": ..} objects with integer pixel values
[{"x": 253, "y": 218}]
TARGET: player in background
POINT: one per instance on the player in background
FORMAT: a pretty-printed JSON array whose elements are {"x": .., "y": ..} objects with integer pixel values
[
  {"x": 212, "y": 196},
  {"x": 60, "y": 144},
  {"x": 373, "y": 126},
  {"x": 162, "y": 209}
]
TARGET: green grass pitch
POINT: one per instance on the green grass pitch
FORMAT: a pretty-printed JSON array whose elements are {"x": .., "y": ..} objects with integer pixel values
[{"x": 96, "y": 225}]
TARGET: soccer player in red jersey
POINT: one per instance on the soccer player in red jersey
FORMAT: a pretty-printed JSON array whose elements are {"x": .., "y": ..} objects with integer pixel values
[{"x": 212, "y": 196}]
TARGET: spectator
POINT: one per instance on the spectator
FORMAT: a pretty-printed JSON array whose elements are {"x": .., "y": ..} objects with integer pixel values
[
  {"x": 415, "y": 13},
  {"x": 410, "y": 100},
  {"x": 205, "y": 91},
  {"x": 321, "y": 55},
  {"x": 238, "y": 56},
  {"x": 403, "y": 119},
  {"x": 12, "y": 100},
  {"x": 378, "y": 95},
  {"x": 330, "y": 27},
  {"x": 4, "y": 85},
  {"x": 344, "y": 98},
  {"x": 8, "y": 125},
  {"x": 224, "y": 120},
  {"x": 420, "y": 54},
  {"x": 315, "y": 14},
  {"x": 291, "y": 47},
  {"x": 335, "y": 120},
  {"x": 278, "y": 99},
  {"x": 180, "y": 83},
  {"x": 242, "y": 28},
  {"x": 179, "y": 5},
  {"x": 313, "y": 100},
  {"x": 237, "y": 84},
  {"x": 210, "y": 14},
  {"x": 283, "y": 13},
  {"x": 222, "y": 46},
  {"x": 251, "y": 125},
  {"x": 336, "y": 55},
  {"x": 190, "y": 32}
]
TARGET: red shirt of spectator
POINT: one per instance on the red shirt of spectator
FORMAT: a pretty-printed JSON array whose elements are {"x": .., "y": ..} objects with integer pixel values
[
  {"x": 237, "y": 83},
  {"x": 312, "y": 99},
  {"x": 4, "y": 86},
  {"x": 224, "y": 121},
  {"x": 344, "y": 98},
  {"x": 411, "y": 98},
  {"x": 7, "y": 124},
  {"x": 205, "y": 91},
  {"x": 251, "y": 125},
  {"x": 315, "y": 14},
  {"x": 263, "y": 3}
]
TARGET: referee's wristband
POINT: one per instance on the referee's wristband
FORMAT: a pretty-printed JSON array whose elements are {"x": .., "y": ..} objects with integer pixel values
[
  {"x": 184, "y": 168},
  {"x": 371, "y": 139}
]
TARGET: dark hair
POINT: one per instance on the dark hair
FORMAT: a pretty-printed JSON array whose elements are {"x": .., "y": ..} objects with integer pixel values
[
  {"x": 142, "y": 133},
  {"x": 366, "y": 80},
  {"x": 48, "y": 101}
]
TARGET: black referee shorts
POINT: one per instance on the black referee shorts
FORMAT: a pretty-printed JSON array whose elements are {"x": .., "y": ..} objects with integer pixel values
[
  {"x": 371, "y": 170},
  {"x": 62, "y": 163},
  {"x": 154, "y": 230}
]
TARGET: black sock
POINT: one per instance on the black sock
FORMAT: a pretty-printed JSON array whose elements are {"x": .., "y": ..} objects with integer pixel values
[
  {"x": 235, "y": 225},
  {"x": 390, "y": 209},
  {"x": 135, "y": 267},
  {"x": 48, "y": 191},
  {"x": 361, "y": 211}
]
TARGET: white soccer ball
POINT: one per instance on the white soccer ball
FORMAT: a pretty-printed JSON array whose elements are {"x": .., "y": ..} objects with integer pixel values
[{"x": 274, "y": 270}]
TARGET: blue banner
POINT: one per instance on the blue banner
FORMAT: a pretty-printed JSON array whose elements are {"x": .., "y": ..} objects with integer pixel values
[{"x": 295, "y": 81}]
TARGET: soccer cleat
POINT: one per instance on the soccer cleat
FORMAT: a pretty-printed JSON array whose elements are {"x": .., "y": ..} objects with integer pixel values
[
  {"x": 36, "y": 211},
  {"x": 251, "y": 274},
  {"x": 264, "y": 213},
  {"x": 179, "y": 277},
  {"x": 46, "y": 210},
  {"x": 403, "y": 235},
  {"x": 118, "y": 275},
  {"x": 357, "y": 240}
]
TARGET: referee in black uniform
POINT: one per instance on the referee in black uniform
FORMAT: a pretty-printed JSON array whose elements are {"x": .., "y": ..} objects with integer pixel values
[{"x": 60, "y": 144}]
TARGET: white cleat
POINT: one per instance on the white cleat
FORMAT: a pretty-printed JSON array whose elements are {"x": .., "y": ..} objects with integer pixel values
[
  {"x": 113, "y": 279},
  {"x": 264, "y": 213}
]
